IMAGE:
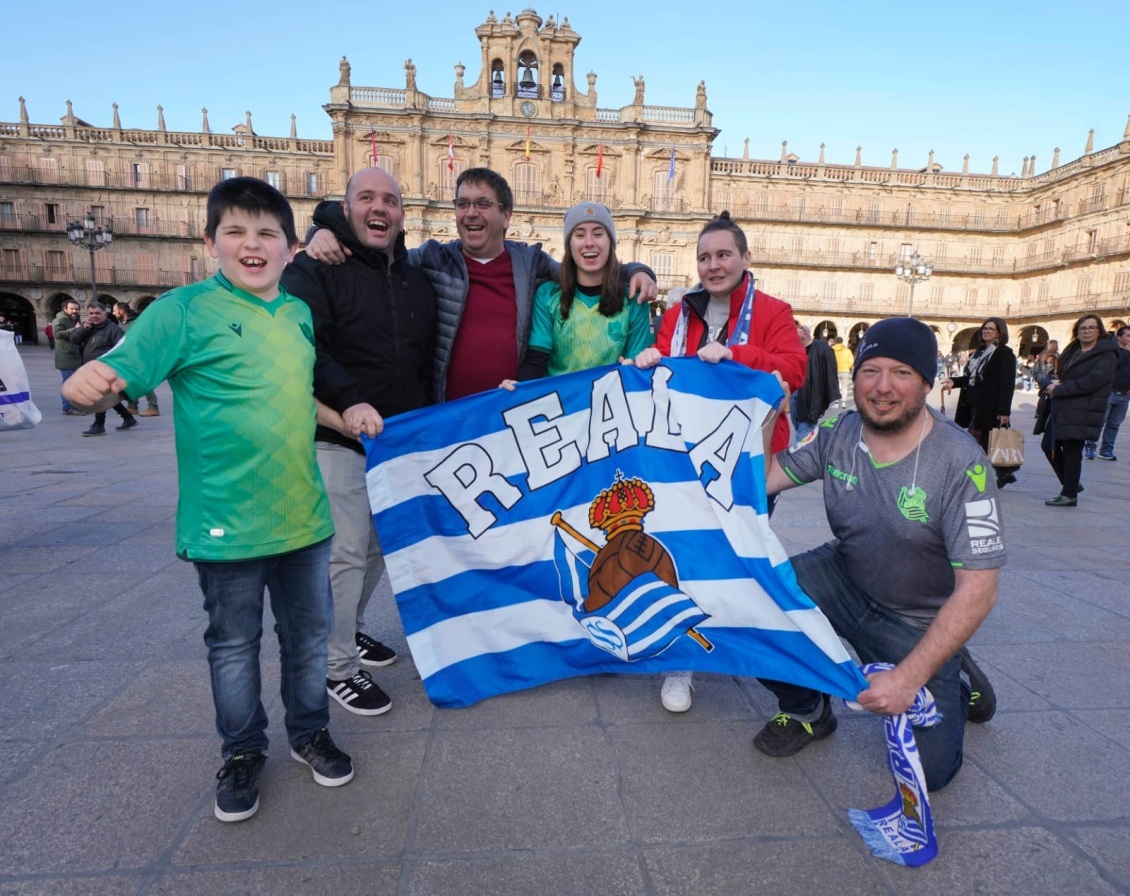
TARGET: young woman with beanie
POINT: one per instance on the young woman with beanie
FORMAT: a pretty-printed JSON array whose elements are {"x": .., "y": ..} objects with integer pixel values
[
  {"x": 585, "y": 319},
  {"x": 728, "y": 318}
]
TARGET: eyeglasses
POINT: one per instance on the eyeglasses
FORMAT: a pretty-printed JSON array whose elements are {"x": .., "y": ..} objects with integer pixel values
[
  {"x": 1088, "y": 327},
  {"x": 481, "y": 205}
]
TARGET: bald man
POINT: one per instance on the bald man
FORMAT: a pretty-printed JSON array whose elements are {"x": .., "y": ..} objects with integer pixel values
[{"x": 374, "y": 330}]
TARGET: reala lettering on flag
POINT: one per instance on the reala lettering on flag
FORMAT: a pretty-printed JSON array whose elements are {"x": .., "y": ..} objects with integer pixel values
[{"x": 612, "y": 520}]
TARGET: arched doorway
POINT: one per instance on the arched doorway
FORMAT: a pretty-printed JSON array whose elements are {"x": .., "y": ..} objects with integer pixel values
[
  {"x": 855, "y": 334},
  {"x": 20, "y": 313},
  {"x": 143, "y": 303},
  {"x": 824, "y": 331},
  {"x": 1031, "y": 341}
]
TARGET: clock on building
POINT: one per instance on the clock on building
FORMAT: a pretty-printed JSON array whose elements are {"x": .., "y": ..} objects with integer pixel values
[{"x": 528, "y": 109}]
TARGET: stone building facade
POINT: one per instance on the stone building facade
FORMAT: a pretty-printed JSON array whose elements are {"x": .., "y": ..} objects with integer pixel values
[{"x": 1036, "y": 249}]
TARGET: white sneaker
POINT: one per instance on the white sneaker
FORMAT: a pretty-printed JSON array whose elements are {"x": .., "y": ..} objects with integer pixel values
[{"x": 676, "y": 693}]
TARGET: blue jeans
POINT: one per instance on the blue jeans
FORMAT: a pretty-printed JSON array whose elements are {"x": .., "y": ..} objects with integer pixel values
[
  {"x": 66, "y": 375},
  {"x": 299, "y": 586},
  {"x": 1115, "y": 414},
  {"x": 878, "y": 635}
]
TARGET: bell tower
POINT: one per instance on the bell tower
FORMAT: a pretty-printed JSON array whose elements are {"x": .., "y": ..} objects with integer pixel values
[{"x": 527, "y": 70}]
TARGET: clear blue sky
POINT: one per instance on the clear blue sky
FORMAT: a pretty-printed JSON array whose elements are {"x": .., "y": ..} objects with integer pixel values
[{"x": 996, "y": 77}]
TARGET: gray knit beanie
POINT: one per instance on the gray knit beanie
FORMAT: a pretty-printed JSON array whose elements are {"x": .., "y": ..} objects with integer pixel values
[{"x": 589, "y": 213}]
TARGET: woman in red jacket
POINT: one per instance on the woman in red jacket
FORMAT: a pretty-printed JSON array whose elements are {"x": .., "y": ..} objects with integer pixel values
[{"x": 728, "y": 318}]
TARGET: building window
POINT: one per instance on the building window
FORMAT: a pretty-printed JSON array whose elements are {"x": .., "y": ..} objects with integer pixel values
[
  {"x": 597, "y": 188},
  {"x": 95, "y": 175},
  {"x": 905, "y": 251},
  {"x": 51, "y": 212},
  {"x": 99, "y": 214},
  {"x": 312, "y": 182},
  {"x": 798, "y": 207},
  {"x": 194, "y": 268},
  {"x": 7, "y": 214},
  {"x": 867, "y": 292},
  {"x": 184, "y": 177},
  {"x": 663, "y": 263},
  {"x": 872, "y": 251},
  {"x": 830, "y": 291},
  {"x": 664, "y": 199},
  {"x": 975, "y": 255},
  {"x": 761, "y": 204},
  {"x": 10, "y": 262},
  {"x": 48, "y": 171},
  {"x": 146, "y": 269},
  {"x": 792, "y": 290},
  {"x": 447, "y": 179},
  {"x": 227, "y": 173},
  {"x": 837, "y": 209},
  {"x": 141, "y": 219},
  {"x": 526, "y": 184},
  {"x": 56, "y": 262},
  {"x": 274, "y": 179},
  {"x": 135, "y": 174},
  {"x": 979, "y": 218},
  {"x": 873, "y": 212}
]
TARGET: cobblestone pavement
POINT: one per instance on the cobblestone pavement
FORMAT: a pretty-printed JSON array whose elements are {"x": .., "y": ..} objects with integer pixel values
[{"x": 108, "y": 754}]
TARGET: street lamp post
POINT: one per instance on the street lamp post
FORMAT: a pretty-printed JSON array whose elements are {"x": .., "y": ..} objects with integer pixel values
[
  {"x": 913, "y": 271},
  {"x": 90, "y": 237}
]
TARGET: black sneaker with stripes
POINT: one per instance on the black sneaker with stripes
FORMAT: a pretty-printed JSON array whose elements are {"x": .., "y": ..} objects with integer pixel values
[
  {"x": 373, "y": 652},
  {"x": 360, "y": 695}
]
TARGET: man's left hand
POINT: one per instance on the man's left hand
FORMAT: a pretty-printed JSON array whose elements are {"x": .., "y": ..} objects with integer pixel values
[
  {"x": 642, "y": 288},
  {"x": 888, "y": 694}
]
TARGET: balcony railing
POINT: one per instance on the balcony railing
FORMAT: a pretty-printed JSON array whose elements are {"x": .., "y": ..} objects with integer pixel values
[
  {"x": 160, "y": 179},
  {"x": 77, "y": 274}
]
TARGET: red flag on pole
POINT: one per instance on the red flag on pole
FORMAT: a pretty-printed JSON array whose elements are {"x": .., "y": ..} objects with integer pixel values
[
  {"x": 600, "y": 160},
  {"x": 373, "y": 145},
  {"x": 527, "y": 143},
  {"x": 450, "y": 154}
]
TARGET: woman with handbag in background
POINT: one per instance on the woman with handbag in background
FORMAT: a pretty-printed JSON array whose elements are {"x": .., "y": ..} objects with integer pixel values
[
  {"x": 1078, "y": 403},
  {"x": 987, "y": 386}
]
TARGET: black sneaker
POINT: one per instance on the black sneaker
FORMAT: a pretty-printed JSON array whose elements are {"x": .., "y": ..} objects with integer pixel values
[
  {"x": 237, "y": 794},
  {"x": 784, "y": 736},
  {"x": 331, "y": 766},
  {"x": 95, "y": 431},
  {"x": 373, "y": 652},
  {"x": 360, "y": 694},
  {"x": 982, "y": 698},
  {"x": 128, "y": 423}
]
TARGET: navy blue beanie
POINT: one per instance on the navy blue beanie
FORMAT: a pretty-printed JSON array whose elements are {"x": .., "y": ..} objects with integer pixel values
[{"x": 903, "y": 339}]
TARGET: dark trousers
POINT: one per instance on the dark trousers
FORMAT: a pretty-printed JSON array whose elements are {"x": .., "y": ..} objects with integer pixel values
[
  {"x": 1066, "y": 458},
  {"x": 100, "y": 417}
]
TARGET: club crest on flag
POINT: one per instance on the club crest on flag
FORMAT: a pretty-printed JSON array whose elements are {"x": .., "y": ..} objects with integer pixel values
[{"x": 625, "y": 595}]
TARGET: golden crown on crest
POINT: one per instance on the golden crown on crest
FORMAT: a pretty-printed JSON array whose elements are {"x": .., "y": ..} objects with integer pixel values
[{"x": 621, "y": 506}]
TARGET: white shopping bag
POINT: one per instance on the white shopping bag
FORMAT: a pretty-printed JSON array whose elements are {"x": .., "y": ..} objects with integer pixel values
[{"x": 17, "y": 410}]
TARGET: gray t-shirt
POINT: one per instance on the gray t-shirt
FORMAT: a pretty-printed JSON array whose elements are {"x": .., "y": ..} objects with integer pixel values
[{"x": 903, "y": 531}]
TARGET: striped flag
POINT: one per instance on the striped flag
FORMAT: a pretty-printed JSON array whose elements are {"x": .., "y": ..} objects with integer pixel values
[
  {"x": 450, "y": 153},
  {"x": 600, "y": 160},
  {"x": 614, "y": 505},
  {"x": 527, "y": 143},
  {"x": 671, "y": 167},
  {"x": 373, "y": 145}
]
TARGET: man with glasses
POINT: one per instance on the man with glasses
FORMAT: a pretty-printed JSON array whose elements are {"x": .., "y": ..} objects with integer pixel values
[
  {"x": 374, "y": 331},
  {"x": 485, "y": 285},
  {"x": 1116, "y": 404}
]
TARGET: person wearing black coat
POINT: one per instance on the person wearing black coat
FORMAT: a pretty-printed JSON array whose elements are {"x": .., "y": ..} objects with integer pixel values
[
  {"x": 987, "y": 386},
  {"x": 1078, "y": 403}
]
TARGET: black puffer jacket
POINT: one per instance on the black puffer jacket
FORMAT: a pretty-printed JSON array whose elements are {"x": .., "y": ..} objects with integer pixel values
[
  {"x": 374, "y": 329},
  {"x": 1079, "y": 401}
]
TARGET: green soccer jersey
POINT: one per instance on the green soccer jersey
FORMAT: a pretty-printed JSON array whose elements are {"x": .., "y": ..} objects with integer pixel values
[
  {"x": 241, "y": 371},
  {"x": 587, "y": 338}
]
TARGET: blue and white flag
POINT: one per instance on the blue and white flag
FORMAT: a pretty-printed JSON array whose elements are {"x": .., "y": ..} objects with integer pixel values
[{"x": 612, "y": 520}]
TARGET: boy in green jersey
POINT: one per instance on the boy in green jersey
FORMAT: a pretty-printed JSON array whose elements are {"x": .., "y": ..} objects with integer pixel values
[{"x": 252, "y": 514}]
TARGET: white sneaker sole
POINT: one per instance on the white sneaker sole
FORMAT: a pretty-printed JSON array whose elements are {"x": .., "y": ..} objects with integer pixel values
[{"x": 235, "y": 816}]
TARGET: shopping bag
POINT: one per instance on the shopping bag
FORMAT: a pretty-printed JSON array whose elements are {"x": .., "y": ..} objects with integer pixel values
[
  {"x": 17, "y": 410},
  {"x": 1006, "y": 447}
]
